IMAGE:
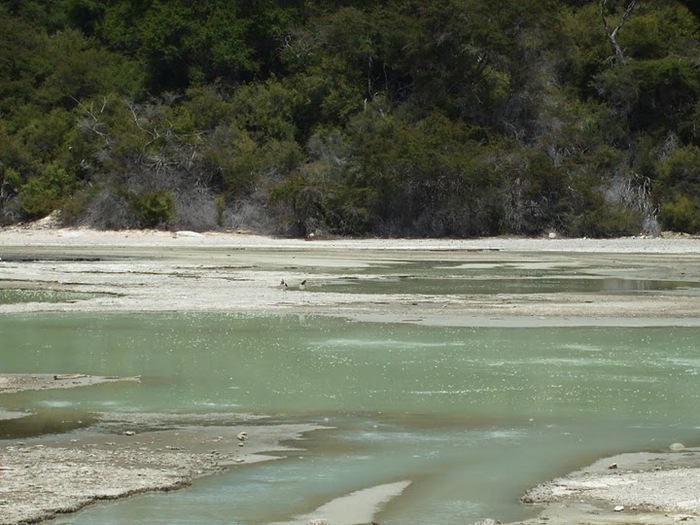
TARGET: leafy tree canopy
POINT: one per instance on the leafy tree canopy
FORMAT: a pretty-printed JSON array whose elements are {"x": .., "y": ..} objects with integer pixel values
[{"x": 353, "y": 117}]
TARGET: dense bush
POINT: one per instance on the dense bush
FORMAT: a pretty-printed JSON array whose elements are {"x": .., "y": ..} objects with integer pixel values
[
  {"x": 42, "y": 194},
  {"x": 153, "y": 209},
  {"x": 450, "y": 118},
  {"x": 680, "y": 214}
]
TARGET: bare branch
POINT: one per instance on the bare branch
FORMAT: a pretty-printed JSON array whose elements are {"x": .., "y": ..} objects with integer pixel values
[
  {"x": 612, "y": 35},
  {"x": 138, "y": 124}
]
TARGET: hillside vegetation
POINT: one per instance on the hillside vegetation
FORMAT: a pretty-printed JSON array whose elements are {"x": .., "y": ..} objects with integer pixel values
[{"x": 412, "y": 118}]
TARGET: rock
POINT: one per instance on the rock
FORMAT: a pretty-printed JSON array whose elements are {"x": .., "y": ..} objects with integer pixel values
[
  {"x": 612, "y": 466},
  {"x": 242, "y": 436},
  {"x": 677, "y": 447},
  {"x": 63, "y": 377},
  {"x": 129, "y": 433},
  {"x": 619, "y": 508},
  {"x": 318, "y": 521},
  {"x": 186, "y": 233}
]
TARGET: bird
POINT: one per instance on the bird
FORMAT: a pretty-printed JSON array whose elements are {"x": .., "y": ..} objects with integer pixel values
[
  {"x": 302, "y": 285},
  {"x": 242, "y": 436},
  {"x": 283, "y": 285}
]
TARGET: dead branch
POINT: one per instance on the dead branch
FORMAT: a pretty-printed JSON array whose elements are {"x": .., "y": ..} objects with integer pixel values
[{"x": 612, "y": 35}]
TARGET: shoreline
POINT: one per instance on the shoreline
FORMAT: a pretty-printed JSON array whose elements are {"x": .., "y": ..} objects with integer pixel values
[
  {"x": 12, "y": 383},
  {"x": 131, "y": 271},
  {"x": 129, "y": 454},
  {"x": 48, "y": 476},
  {"x": 43, "y": 235},
  {"x": 631, "y": 488},
  {"x": 123, "y": 455}
]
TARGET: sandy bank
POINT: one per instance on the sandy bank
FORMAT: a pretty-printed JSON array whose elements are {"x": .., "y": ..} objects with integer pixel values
[
  {"x": 40, "y": 235},
  {"x": 123, "y": 454},
  {"x": 161, "y": 271},
  {"x": 636, "y": 488},
  {"x": 43, "y": 477},
  {"x": 10, "y": 383}
]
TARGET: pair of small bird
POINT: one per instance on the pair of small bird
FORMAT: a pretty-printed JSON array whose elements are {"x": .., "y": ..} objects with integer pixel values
[{"x": 285, "y": 286}]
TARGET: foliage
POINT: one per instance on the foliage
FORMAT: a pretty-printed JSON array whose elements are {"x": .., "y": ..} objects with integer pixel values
[
  {"x": 680, "y": 214},
  {"x": 154, "y": 208},
  {"x": 42, "y": 194},
  {"x": 679, "y": 190},
  {"x": 446, "y": 118}
]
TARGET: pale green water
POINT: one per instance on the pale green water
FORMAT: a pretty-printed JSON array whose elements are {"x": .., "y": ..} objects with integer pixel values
[
  {"x": 524, "y": 285},
  {"x": 13, "y": 296},
  {"x": 472, "y": 416}
]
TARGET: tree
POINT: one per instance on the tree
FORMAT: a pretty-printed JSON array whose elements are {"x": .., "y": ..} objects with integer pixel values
[
  {"x": 454, "y": 117},
  {"x": 612, "y": 34}
]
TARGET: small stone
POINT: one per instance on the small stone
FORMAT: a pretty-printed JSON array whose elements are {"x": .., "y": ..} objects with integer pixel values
[{"x": 619, "y": 508}]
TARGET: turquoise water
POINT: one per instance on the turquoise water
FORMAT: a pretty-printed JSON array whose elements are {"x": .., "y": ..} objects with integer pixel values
[{"x": 472, "y": 416}]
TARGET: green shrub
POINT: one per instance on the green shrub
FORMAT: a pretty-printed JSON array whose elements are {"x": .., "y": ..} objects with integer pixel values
[
  {"x": 42, "y": 194},
  {"x": 11, "y": 179},
  {"x": 153, "y": 209},
  {"x": 220, "y": 205},
  {"x": 680, "y": 214},
  {"x": 608, "y": 221}
]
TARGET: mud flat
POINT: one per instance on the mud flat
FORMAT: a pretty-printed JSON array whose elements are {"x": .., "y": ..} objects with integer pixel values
[
  {"x": 186, "y": 271},
  {"x": 635, "y": 488},
  {"x": 121, "y": 455},
  {"x": 41, "y": 478},
  {"x": 10, "y": 383}
]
